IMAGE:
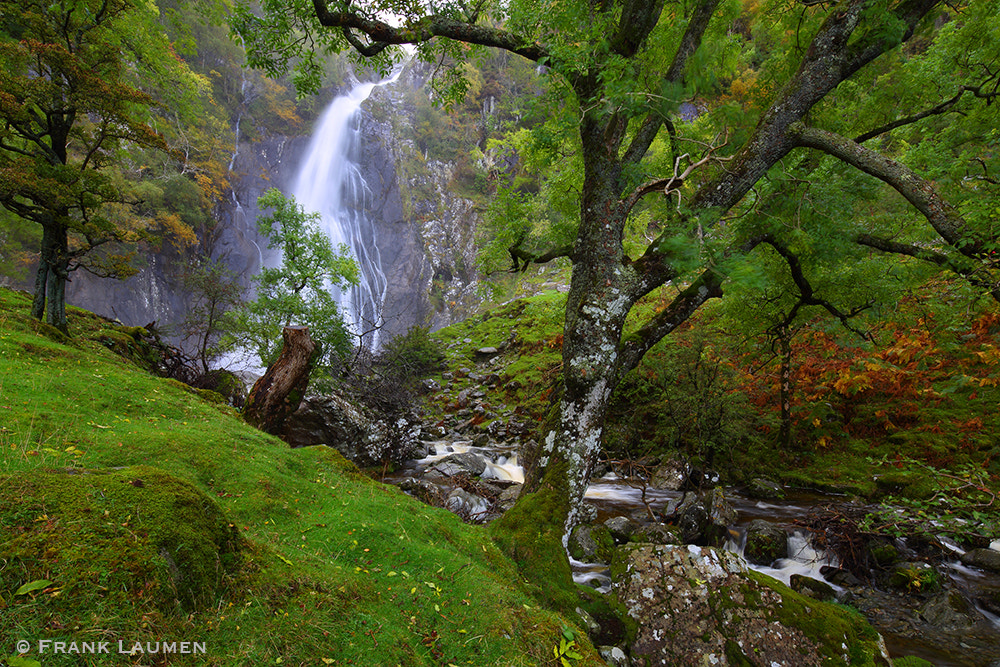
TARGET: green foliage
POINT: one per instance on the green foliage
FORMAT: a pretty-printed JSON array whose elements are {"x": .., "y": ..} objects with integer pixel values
[
  {"x": 688, "y": 398},
  {"x": 212, "y": 292},
  {"x": 77, "y": 79},
  {"x": 415, "y": 352},
  {"x": 960, "y": 501},
  {"x": 297, "y": 292}
]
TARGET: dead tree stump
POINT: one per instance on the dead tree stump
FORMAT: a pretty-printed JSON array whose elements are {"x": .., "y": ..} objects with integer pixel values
[{"x": 278, "y": 393}]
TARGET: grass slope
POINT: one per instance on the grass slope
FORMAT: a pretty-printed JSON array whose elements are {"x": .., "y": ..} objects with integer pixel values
[{"x": 135, "y": 510}]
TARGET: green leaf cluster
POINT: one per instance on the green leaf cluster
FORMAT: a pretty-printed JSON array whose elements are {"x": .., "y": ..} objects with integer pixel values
[{"x": 298, "y": 292}]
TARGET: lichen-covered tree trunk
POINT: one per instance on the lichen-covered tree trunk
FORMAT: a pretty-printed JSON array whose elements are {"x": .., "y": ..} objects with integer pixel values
[{"x": 278, "y": 393}]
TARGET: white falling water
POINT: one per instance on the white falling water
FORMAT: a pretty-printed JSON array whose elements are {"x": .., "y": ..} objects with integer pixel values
[{"x": 329, "y": 183}]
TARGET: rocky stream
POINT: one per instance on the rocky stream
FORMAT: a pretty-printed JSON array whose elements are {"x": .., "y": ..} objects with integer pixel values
[{"x": 678, "y": 534}]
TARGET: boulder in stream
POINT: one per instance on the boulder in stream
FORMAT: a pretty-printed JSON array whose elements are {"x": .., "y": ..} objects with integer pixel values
[
  {"x": 984, "y": 559},
  {"x": 704, "y": 519},
  {"x": 591, "y": 544},
  {"x": 766, "y": 542}
]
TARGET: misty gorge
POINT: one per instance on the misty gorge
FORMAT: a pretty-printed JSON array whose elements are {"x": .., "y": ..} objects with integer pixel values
[{"x": 355, "y": 164}]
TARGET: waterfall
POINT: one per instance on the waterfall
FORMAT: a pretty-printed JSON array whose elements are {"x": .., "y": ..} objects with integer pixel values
[{"x": 329, "y": 182}]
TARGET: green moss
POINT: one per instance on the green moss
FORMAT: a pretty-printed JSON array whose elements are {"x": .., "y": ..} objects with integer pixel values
[
  {"x": 531, "y": 534},
  {"x": 331, "y": 564},
  {"x": 136, "y": 534},
  {"x": 911, "y": 661},
  {"x": 830, "y": 625}
]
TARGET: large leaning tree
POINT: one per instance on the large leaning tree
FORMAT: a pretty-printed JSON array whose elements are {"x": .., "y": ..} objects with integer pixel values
[
  {"x": 625, "y": 67},
  {"x": 73, "y": 114}
]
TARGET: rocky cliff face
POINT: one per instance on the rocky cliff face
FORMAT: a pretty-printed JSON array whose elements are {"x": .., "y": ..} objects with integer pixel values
[{"x": 425, "y": 233}]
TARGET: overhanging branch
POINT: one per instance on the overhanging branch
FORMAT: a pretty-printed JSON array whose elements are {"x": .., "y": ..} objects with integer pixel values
[
  {"x": 946, "y": 220},
  {"x": 383, "y": 35}
]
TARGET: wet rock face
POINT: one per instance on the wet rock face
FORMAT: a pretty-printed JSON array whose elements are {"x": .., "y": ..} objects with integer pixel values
[
  {"x": 766, "y": 543},
  {"x": 984, "y": 559},
  {"x": 365, "y": 439},
  {"x": 703, "y": 519},
  {"x": 695, "y": 606}
]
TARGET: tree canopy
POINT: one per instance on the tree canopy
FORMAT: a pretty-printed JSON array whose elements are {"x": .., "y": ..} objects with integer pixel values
[
  {"x": 72, "y": 100},
  {"x": 709, "y": 136},
  {"x": 299, "y": 291}
]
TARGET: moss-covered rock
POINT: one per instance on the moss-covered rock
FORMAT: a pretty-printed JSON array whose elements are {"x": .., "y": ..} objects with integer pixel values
[
  {"x": 696, "y": 606},
  {"x": 133, "y": 535}
]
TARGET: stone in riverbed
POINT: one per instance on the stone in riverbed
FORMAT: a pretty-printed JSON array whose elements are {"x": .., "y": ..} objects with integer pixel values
[
  {"x": 697, "y": 606},
  {"x": 984, "y": 559},
  {"x": 766, "y": 543},
  {"x": 622, "y": 528}
]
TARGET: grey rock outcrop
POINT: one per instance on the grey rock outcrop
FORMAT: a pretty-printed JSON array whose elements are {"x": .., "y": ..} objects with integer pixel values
[
  {"x": 362, "y": 438},
  {"x": 698, "y": 606},
  {"x": 984, "y": 559}
]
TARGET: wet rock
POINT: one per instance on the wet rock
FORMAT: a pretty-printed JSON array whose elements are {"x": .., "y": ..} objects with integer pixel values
[
  {"x": 621, "y": 528},
  {"x": 839, "y": 577},
  {"x": 766, "y": 542},
  {"x": 592, "y": 626},
  {"x": 765, "y": 489},
  {"x": 591, "y": 544},
  {"x": 430, "y": 385},
  {"x": 704, "y": 519},
  {"x": 614, "y": 656},
  {"x": 694, "y": 523},
  {"x": 428, "y": 492},
  {"x": 669, "y": 476},
  {"x": 949, "y": 612},
  {"x": 701, "y": 478},
  {"x": 657, "y": 533},
  {"x": 720, "y": 510},
  {"x": 465, "y": 463},
  {"x": 984, "y": 559},
  {"x": 361, "y": 436},
  {"x": 467, "y": 505},
  {"x": 508, "y": 497},
  {"x": 814, "y": 588},
  {"x": 697, "y": 606}
]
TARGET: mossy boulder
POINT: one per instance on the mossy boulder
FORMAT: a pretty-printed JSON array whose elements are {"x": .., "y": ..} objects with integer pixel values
[
  {"x": 591, "y": 544},
  {"x": 699, "y": 605},
  {"x": 135, "y": 536},
  {"x": 766, "y": 542}
]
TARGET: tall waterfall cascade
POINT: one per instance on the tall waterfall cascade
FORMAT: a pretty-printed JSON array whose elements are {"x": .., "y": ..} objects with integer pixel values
[{"x": 330, "y": 183}]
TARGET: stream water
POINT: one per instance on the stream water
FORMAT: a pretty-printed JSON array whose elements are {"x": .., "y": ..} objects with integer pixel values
[{"x": 890, "y": 612}]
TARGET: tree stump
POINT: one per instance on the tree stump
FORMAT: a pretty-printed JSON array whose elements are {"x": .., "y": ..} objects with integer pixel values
[{"x": 278, "y": 393}]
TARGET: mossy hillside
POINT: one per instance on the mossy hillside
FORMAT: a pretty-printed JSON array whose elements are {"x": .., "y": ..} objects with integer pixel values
[
  {"x": 529, "y": 331},
  {"x": 329, "y": 567},
  {"x": 98, "y": 532}
]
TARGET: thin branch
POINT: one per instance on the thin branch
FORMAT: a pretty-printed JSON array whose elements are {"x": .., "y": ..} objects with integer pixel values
[{"x": 807, "y": 296}]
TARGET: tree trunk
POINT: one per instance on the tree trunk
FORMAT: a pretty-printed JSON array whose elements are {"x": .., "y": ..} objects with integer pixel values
[
  {"x": 50, "y": 281},
  {"x": 785, "y": 345},
  {"x": 277, "y": 394}
]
